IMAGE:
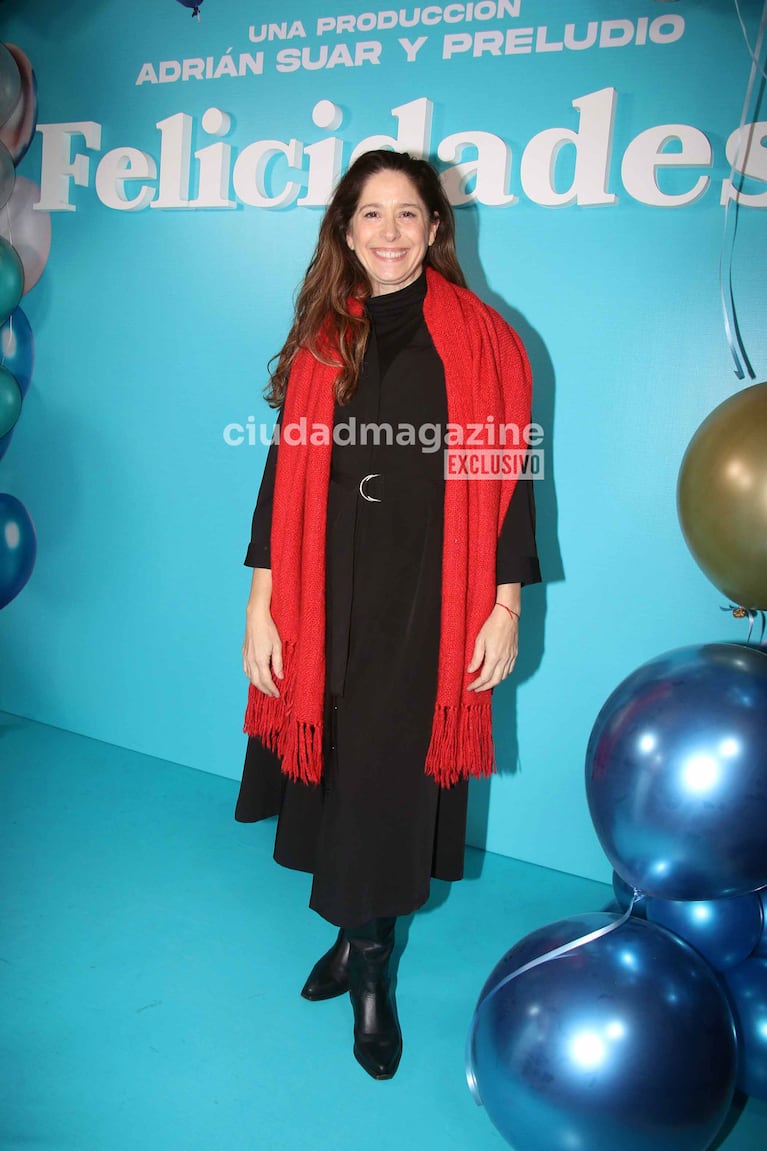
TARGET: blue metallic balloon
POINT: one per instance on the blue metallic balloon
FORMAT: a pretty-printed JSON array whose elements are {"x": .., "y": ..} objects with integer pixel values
[
  {"x": 17, "y": 348},
  {"x": 724, "y": 931},
  {"x": 747, "y": 987},
  {"x": 676, "y": 774},
  {"x": 624, "y": 893},
  {"x": 625, "y": 1043},
  {"x": 761, "y": 945},
  {"x": 18, "y": 547}
]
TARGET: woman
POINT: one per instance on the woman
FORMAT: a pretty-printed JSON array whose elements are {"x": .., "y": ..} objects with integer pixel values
[{"x": 385, "y": 600}]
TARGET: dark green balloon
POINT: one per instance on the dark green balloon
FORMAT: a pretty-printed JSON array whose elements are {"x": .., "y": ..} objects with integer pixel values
[
  {"x": 11, "y": 279},
  {"x": 722, "y": 497},
  {"x": 10, "y": 401}
]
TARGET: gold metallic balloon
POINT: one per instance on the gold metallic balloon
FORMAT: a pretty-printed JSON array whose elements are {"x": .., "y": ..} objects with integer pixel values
[{"x": 722, "y": 497}]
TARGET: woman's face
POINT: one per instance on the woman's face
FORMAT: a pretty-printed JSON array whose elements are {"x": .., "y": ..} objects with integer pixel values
[{"x": 390, "y": 231}]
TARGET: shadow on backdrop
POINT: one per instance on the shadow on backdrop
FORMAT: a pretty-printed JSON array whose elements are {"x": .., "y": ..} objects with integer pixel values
[{"x": 532, "y": 631}]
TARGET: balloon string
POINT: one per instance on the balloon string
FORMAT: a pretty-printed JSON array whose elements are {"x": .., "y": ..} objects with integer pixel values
[
  {"x": 741, "y": 362},
  {"x": 751, "y": 51},
  {"x": 557, "y": 953},
  {"x": 750, "y": 614}
]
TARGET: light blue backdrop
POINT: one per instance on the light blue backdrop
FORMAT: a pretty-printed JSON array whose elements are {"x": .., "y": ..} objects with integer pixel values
[{"x": 153, "y": 328}]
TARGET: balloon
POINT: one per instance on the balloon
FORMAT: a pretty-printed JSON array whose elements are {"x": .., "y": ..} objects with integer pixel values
[
  {"x": 11, "y": 279},
  {"x": 747, "y": 987},
  {"x": 624, "y": 894},
  {"x": 19, "y": 129},
  {"x": 10, "y": 401},
  {"x": 7, "y": 175},
  {"x": 627, "y": 1042},
  {"x": 724, "y": 931},
  {"x": 676, "y": 774},
  {"x": 761, "y": 946},
  {"x": 5, "y": 443},
  {"x": 29, "y": 231},
  {"x": 195, "y": 5},
  {"x": 722, "y": 497},
  {"x": 18, "y": 547},
  {"x": 10, "y": 83},
  {"x": 17, "y": 348}
]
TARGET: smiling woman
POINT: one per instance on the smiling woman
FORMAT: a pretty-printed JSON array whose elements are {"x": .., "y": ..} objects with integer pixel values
[
  {"x": 391, "y": 232},
  {"x": 385, "y": 601}
]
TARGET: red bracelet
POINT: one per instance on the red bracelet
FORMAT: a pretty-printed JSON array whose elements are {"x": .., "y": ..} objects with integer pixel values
[{"x": 513, "y": 614}]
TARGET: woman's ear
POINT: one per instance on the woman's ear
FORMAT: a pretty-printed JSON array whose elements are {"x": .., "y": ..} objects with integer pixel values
[{"x": 433, "y": 228}]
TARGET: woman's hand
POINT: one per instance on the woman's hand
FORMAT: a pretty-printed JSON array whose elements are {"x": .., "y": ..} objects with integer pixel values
[
  {"x": 495, "y": 649},
  {"x": 262, "y": 646}
]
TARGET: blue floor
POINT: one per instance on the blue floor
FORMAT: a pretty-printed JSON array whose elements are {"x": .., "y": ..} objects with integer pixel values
[{"x": 152, "y": 955}]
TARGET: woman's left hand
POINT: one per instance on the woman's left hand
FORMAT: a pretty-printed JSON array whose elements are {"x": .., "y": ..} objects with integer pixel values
[{"x": 495, "y": 650}]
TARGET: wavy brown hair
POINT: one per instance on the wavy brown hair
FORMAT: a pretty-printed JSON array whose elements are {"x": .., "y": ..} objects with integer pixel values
[{"x": 323, "y": 323}]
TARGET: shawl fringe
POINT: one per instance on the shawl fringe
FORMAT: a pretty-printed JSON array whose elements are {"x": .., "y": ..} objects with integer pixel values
[
  {"x": 298, "y": 743},
  {"x": 461, "y": 743}
]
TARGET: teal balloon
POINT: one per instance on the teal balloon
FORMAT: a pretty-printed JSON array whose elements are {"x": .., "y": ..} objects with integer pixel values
[
  {"x": 7, "y": 175},
  {"x": 18, "y": 547},
  {"x": 724, "y": 931},
  {"x": 626, "y": 1043},
  {"x": 17, "y": 348},
  {"x": 10, "y": 401},
  {"x": 10, "y": 83},
  {"x": 747, "y": 988},
  {"x": 11, "y": 279},
  {"x": 5, "y": 443}
]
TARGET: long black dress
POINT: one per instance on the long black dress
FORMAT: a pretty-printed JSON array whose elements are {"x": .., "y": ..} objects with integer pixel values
[{"x": 377, "y": 827}]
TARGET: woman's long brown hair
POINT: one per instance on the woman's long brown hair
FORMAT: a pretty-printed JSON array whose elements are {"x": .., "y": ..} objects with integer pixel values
[{"x": 323, "y": 323}]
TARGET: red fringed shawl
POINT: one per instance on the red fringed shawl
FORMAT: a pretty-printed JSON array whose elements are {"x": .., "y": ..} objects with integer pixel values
[{"x": 487, "y": 374}]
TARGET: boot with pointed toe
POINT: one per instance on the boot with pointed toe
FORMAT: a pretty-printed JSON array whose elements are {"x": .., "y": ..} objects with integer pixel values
[
  {"x": 330, "y": 976},
  {"x": 377, "y": 1035}
]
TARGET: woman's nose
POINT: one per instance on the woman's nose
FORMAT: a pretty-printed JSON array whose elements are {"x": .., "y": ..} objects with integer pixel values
[{"x": 390, "y": 226}]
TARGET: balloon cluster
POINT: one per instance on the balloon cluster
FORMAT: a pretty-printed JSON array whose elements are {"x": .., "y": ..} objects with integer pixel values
[
  {"x": 25, "y": 240},
  {"x": 614, "y": 1030},
  {"x": 634, "y": 1030}
]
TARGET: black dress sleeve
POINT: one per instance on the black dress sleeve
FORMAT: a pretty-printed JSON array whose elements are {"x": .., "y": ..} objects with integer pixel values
[
  {"x": 258, "y": 554},
  {"x": 516, "y": 559}
]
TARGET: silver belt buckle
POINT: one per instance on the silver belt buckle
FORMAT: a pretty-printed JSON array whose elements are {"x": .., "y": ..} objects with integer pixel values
[{"x": 363, "y": 481}]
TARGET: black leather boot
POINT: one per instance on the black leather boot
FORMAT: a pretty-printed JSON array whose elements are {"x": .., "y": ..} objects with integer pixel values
[
  {"x": 377, "y": 1035},
  {"x": 329, "y": 976}
]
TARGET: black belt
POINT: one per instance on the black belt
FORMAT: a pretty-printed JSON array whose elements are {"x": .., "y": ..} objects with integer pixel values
[{"x": 377, "y": 486}]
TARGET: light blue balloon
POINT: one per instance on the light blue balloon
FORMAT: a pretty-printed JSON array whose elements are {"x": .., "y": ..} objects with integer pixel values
[
  {"x": 17, "y": 348},
  {"x": 676, "y": 774},
  {"x": 18, "y": 547},
  {"x": 747, "y": 988},
  {"x": 625, "y": 1043},
  {"x": 724, "y": 931}
]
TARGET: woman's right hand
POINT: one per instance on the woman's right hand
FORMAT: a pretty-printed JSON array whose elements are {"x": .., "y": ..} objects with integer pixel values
[{"x": 262, "y": 646}]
